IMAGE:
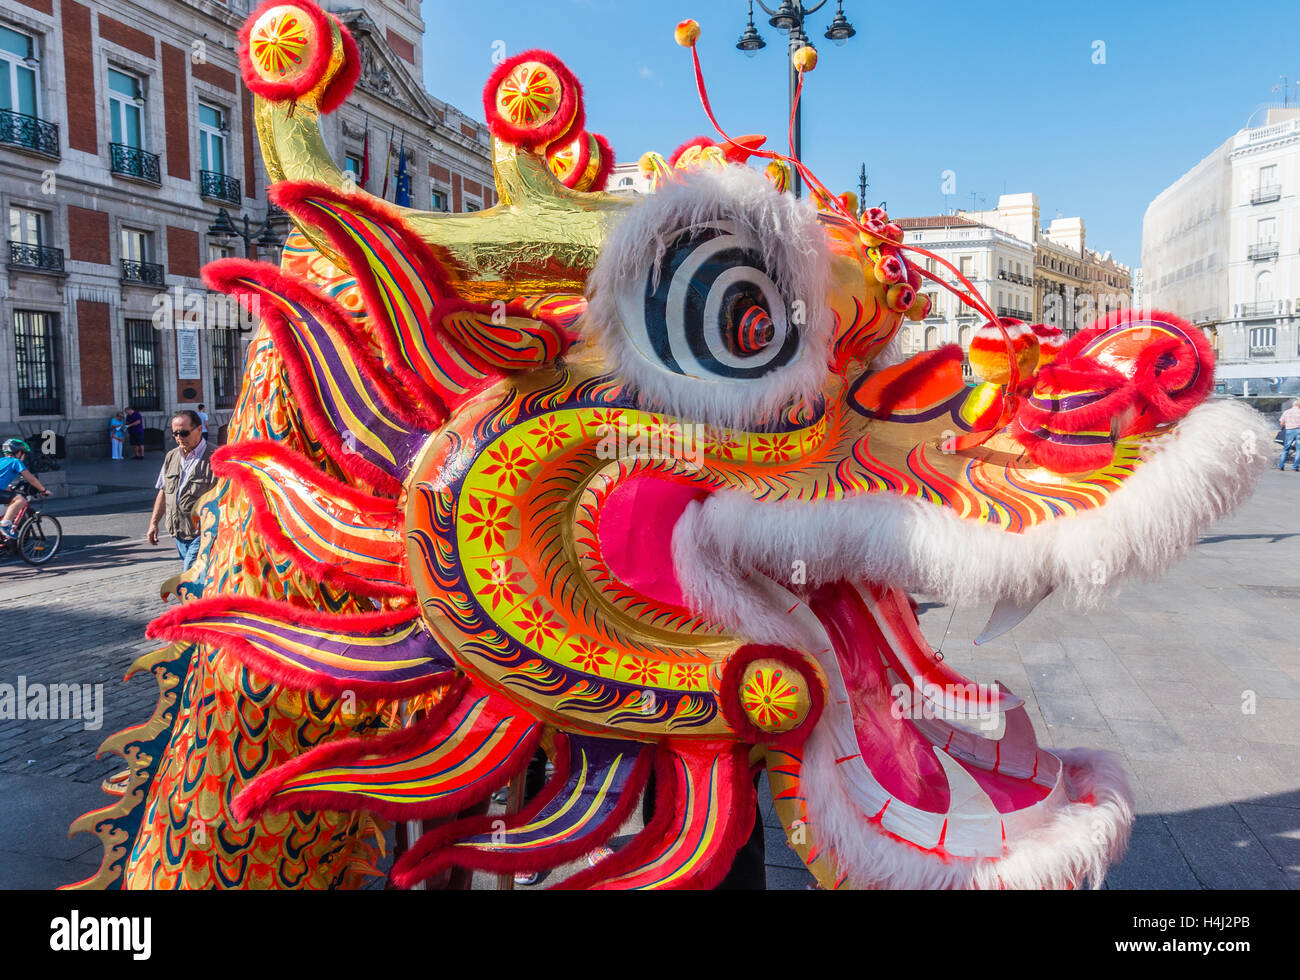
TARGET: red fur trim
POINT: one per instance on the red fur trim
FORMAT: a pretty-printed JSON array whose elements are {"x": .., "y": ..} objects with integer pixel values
[
  {"x": 739, "y": 822},
  {"x": 220, "y": 275},
  {"x": 256, "y": 797},
  {"x": 601, "y": 180},
  {"x": 303, "y": 384},
  {"x": 567, "y": 122},
  {"x": 177, "y": 625},
  {"x": 1080, "y": 374},
  {"x": 292, "y": 196},
  {"x": 729, "y": 695},
  {"x": 697, "y": 141},
  {"x": 414, "y": 867},
  {"x": 341, "y": 85},
  {"x": 917, "y": 372},
  {"x": 316, "y": 66},
  {"x": 270, "y": 528},
  {"x": 579, "y": 166}
]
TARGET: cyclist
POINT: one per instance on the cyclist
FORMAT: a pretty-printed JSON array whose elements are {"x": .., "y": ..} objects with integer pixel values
[{"x": 12, "y": 469}]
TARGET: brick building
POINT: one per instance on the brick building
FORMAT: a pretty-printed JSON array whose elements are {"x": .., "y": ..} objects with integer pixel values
[{"x": 124, "y": 130}]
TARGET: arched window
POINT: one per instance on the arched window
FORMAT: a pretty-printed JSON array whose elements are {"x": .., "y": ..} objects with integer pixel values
[
  {"x": 931, "y": 338},
  {"x": 625, "y": 182},
  {"x": 1264, "y": 287},
  {"x": 963, "y": 338}
]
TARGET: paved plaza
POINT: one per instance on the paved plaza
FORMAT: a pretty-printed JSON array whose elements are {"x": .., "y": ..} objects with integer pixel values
[{"x": 1193, "y": 679}]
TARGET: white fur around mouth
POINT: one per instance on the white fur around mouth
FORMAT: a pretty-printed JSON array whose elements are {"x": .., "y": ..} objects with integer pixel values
[
  {"x": 731, "y": 551},
  {"x": 1196, "y": 474}
]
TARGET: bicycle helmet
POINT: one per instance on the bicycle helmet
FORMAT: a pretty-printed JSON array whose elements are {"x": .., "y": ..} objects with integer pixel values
[{"x": 12, "y": 447}]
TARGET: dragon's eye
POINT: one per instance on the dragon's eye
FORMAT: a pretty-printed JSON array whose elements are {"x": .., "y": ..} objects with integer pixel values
[
  {"x": 709, "y": 309},
  {"x": 709, "y": 300}
]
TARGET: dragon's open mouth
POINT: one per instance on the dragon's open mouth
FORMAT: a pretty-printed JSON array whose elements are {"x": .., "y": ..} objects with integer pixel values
[{"x": 916, "y": 776}]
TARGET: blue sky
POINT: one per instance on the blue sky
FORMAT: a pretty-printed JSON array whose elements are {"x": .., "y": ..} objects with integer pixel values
[{"x": 1006, "y": 96}]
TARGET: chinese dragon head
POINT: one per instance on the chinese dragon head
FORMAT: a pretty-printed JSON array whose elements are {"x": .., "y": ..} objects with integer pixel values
[{"x": 642, "y": 481}]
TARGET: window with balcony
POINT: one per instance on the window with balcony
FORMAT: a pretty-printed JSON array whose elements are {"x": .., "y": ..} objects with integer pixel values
[
  {"x": 136, "y": 267},
  {"x": 214, "y": 183},
  {"x": 142, "y": 386},
  {"x": 20, "y": 93},
  {"x": 1263, "y": 342},
  {"x": 28, "y": 247},
  {"x": 438, "y": 200},
  {"x": 126, "y": 104},
  {"x": 1267, "y": 188},
  {"x": 36, "y": 353}
]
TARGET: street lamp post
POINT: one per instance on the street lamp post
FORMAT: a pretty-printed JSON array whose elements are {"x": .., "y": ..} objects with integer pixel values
[
  {"x": 264, "y": 235},
  {"x": 789, "y": 18}
]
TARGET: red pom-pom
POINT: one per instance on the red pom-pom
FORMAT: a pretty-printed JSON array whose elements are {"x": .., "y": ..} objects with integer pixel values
[
  {"x": 543, "y": 105},
  {"x": 304, "y": 27}
]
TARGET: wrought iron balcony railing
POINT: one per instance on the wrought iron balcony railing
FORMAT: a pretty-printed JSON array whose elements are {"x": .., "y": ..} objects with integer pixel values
[
  {"x": 1014, "y": 314},
  {"x": 1258, "y": 309},
  {"x": 131, "y": 161},
  {"x": 1268, "y": 350},
  {"x": 219, "y": 187},
  {"x": 18, "y": 129},
  {"x": 41, "y": 258},
  {"x": 146, "y": 273},
  {"x": 1262, "y": 250},
  {"x": 1266, "y": 194}
]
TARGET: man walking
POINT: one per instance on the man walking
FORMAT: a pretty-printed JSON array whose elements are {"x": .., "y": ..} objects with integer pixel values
[
  {"x": 135, "y": 429},
  {"x": 1290, "y": 423},
  {"x": 185, "y": 477}
]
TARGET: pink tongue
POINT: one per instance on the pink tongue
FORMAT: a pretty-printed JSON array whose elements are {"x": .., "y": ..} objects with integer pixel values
[
  {"x": 636, "y": 533},
  {"x": 899, "y": 756}
]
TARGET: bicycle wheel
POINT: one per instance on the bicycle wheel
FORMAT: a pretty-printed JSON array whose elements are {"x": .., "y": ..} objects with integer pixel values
[{"x": 39, "y": 539}]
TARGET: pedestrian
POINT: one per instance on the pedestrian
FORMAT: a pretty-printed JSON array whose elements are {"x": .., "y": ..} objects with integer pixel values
[
  {"x": 135, "y": 430},
  {"x": 203, "y": 422},
  {"x": 117, "y": 434},
  {"x": 185, "y": 477},
  {"x": 1290, "y": 423}
]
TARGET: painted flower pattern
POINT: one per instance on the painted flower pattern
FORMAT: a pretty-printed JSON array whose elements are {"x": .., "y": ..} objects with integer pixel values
[
  {"x": 537, "y": 623},
  {"x": 488, "y": 519},
  {"x": 509, "y": 465}
]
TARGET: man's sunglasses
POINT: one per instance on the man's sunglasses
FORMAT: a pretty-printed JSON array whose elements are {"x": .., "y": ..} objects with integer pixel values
[{"x": 182, "y": 433}]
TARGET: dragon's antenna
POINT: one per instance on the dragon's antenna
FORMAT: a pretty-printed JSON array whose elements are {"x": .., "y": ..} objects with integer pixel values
[{"x": 805, "y": 60}]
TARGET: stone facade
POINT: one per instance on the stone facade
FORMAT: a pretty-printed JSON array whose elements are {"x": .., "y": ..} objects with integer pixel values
[
  {"x": 1222, "y": 243},
  {"x": 1039, "y": 275},
  {"x": 141, "y": 132}
]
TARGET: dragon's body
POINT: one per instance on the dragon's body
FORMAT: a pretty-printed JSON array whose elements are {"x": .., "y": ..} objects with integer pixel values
[{"x": 639, "y": 483}]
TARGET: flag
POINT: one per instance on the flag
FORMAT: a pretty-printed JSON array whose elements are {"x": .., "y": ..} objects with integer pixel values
[
  {"x": 365, "y": 158},
  {"x": 388, "y": 162},
  {"x": 402, "y": 194}
]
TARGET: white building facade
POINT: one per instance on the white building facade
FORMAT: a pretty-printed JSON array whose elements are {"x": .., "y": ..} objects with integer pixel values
[
  {"x": 1222, "y": 246},
  {"x": 998, "y": 264}
]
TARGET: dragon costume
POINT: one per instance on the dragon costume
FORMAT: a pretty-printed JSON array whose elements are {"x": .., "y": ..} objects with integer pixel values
[{"x": 642, "y": 481}]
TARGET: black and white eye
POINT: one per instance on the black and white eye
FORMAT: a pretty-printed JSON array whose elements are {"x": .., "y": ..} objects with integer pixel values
[
  {"x": 709, "y": 309},
  {"x": 709, "y": 300}
]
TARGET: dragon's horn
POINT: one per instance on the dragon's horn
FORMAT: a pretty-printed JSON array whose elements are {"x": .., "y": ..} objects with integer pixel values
[{"x": 541, "y": 237}]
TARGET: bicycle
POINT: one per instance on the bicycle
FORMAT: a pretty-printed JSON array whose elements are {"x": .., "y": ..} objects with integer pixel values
[{"x": 37, "y": 536}]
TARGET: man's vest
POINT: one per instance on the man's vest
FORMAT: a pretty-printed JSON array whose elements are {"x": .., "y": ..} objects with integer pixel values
[{"x": 181, "y": 500}]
